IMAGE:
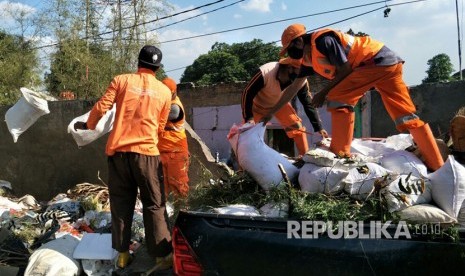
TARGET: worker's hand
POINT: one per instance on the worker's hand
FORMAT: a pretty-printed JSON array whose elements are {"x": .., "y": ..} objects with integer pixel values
[
  {"x": 80, "y": 125},
  {"x": 323, "y": 133},
  {"x": 319, "y": 99}
]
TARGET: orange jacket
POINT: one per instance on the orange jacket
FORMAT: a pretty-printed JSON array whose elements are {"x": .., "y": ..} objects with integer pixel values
[
  {"x": 357, "y": 49},
  {"x": 174, "y": 138},
  {"x": 142, "y": 108}
]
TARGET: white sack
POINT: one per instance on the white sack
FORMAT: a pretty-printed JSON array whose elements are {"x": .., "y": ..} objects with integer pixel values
[
  {"x": 257, "y": 158},
  {"x": 449, "y": 186},
  {"x": 325, "y": 158},
  {"x": 84, "y": 137},
  {"x": 275, "y": 209},
  {"x": 359, "y": 183},
  {"x": 404, "y": 162},
  {"x": 425, "y": 213},
  {"x": 238, "y": 210},
  {"x": 55, "y": 258},
  {"x": 30, "y": 107},
  {"x": 402, "y": 193},
  {"x": 315, "y": 179}
]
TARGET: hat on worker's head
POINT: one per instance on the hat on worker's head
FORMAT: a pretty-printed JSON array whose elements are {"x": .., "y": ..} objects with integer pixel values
[
  {"x": 290, "y": 33},
  {"x": 150, "y": 56},
  {"x": 296, "y": 63},
  {"x": 170, "y": 83}
]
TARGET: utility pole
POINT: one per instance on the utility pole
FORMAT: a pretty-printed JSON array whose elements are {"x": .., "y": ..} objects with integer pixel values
[{"x": 458, "y": 34}]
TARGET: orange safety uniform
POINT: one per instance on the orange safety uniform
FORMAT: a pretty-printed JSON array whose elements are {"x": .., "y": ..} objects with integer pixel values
[
  {"x": 174, "y": 155},
  {"x": 142, "y": 116},
  {"x": 387, "y": 79},
  {"x": 267, "y": 98}
]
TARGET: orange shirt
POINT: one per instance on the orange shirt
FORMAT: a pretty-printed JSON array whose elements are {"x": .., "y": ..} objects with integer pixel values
[
  {"x": 142, "y": 109},
  {"x": 174, "y": 138}
]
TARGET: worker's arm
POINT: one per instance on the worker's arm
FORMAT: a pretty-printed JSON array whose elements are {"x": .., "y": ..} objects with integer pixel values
[
  {"x": 164, "y": 114},
  {"x": 286, "y": 96},
  {"x": 330, "y": 46},
  {"x": 341, "y": 73},
  {"x": 312, "y": 113},
  {"x": 248, "y": 94},
  {"x": 100, "y": 108}
]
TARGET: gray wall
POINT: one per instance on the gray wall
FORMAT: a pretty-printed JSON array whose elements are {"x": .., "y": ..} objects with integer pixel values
[
  {"x": 45, "y": 160},
  {"x": 436, "y": 104}
]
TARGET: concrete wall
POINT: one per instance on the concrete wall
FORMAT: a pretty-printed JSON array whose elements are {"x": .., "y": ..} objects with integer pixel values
[
  {"x": 45, "y": 160},
  {"x": 436, "y": 104}
]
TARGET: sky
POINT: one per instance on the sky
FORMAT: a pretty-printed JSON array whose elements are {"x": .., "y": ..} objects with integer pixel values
[{"x": 416, "y": 31}]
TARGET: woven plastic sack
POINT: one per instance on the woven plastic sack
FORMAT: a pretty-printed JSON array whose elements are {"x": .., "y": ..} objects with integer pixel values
[
  {"x": 26, "y": 111},
  {"x": 404, "y": 162},
  {"x": 257, "y": 158},
  {"x": 326, "y": 180},
  {"x": 84, "y": 137},
  {"x": 360, "y": 181},
  {"x": 406, "y": 191}
]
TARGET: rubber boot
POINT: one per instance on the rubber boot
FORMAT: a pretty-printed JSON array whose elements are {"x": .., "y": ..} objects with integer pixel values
[
  {"x": 342, "y": 131},
  {"x": 124, "y": 259},
  {"x": 301, "y": 143},
  {"x": 426, "y": 143}
]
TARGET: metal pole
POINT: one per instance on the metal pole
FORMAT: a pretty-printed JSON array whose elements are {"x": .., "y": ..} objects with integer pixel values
[{"x": 458, "y": 33}]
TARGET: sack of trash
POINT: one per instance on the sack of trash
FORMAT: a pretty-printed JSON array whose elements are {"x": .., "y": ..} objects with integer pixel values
[
  {"x": 326, "y": 180},
  {"x": 84, "y": 137},
  {"x": 26, "y": 111},
  {"x": 257, "y": 158}
]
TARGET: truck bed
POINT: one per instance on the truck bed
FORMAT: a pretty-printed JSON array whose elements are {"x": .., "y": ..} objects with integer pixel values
[{"x": 237, "y": 245}]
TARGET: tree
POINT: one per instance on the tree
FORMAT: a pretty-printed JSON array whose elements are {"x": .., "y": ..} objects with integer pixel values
[
  {"x": 440, "y": 69},
  {"x": 18, "y": 62},
  {"x": 229, "y": 63}
]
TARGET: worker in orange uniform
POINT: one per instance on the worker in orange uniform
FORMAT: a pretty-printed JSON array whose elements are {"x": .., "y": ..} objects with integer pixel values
[
  {"x": 173, "y": 147},
  {"x": 354, "y": 65},
  {"x": 264, "y": 90},
  {"x": 142, "y": 108}
]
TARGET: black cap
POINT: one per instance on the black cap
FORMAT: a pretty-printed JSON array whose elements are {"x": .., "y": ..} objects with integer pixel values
[{"x": 150, "y": 55}]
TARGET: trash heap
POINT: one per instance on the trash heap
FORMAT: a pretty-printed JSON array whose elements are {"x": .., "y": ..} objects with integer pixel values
[
  {"x": 382, "y": 180},
  {"x": 68, "y": 235}
]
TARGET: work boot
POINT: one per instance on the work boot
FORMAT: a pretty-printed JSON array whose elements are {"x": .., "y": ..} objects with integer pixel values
[
  {"x": 428, "y": 147},
  {"x": 123, "y": 260},
  {"x": 342, "y": 132}
]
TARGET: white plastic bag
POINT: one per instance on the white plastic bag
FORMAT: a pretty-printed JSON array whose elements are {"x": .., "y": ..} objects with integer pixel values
[
  {"x": 84, "y": 137},
  {"x": 238, "y": 210},
  {"x": 55, "y": 258},
  {"x": 448, "y": 184},
  {"x": 257, "y": 158},
  {"x": 315, "y": 179},
  {"x": 29, "y": 108}
]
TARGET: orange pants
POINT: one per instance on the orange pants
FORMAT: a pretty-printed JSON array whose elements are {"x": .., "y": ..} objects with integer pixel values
[
  {"x": 175, "y": 172},
  {"x": 388, "y": 81},
  {"x": 292, "y": 124}
]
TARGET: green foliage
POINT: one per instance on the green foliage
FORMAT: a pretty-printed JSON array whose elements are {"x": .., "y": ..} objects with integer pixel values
[
  {"x": 18, "y": 63},
  {"x": 440, "y": 69},
  {"x": 229, "y": 63}
]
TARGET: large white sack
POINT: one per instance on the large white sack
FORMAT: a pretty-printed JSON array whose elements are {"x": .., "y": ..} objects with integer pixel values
[
  {"x": 55, "y": 258},
  {"x": 257, "y": 158},
  {"x": 449, "y": 186},
  {"x": 425, "y": 213},
  {"x": 406, "y": 191},
  {"x": 316, "y": 179},
  {"x": 359, "y": 183},
  {"x": 26, "y": 111},
  {"x": 325, "y": 158},
  {"x": 374, "y": 149},
  {"x": 84, "y": 137},
  {"x": 404, "y": 162}
]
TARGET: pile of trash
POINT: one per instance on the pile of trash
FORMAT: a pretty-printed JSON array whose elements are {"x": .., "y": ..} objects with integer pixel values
[
  {"x": 68, "y": 235},
  {"x": 382, "y": 180}
]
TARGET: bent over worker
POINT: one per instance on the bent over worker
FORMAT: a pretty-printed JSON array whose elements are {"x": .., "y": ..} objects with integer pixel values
[
  {"x": 173, "y": 147},
  {"x": 354, "y": 65},
  {"x": 142, "y": 108},
  {"x": 264, "y": 90}
]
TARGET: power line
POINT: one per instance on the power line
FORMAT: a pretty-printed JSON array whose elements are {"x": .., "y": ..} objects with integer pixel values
[{"x": 339, "y": 21}]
